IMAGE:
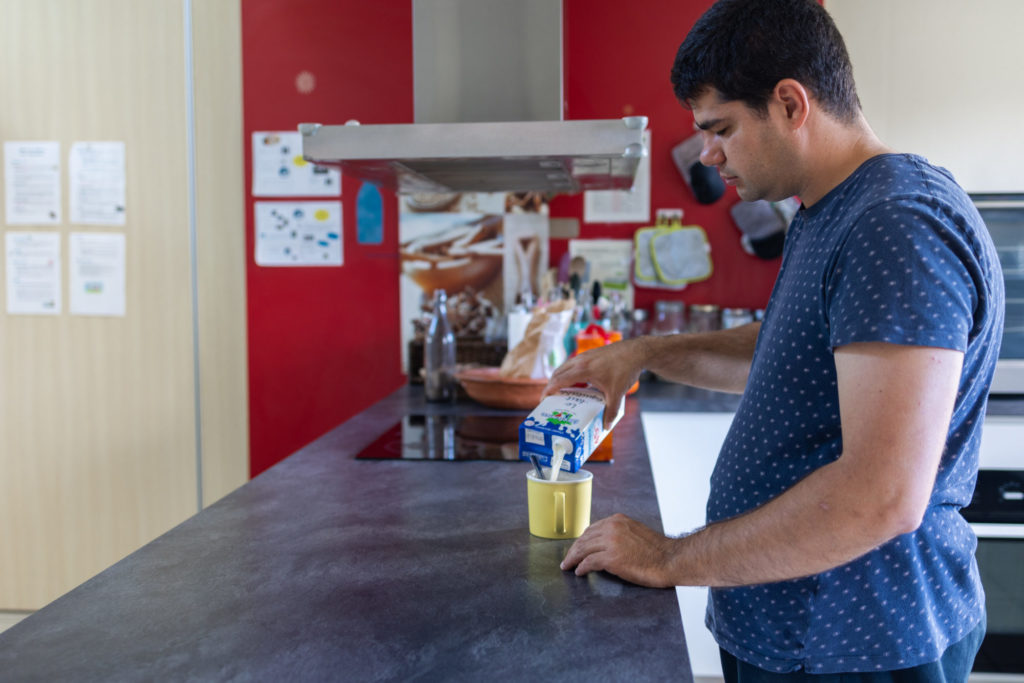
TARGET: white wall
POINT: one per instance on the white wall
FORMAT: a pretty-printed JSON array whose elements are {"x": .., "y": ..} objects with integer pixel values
[{"x": 944, "y": 79}]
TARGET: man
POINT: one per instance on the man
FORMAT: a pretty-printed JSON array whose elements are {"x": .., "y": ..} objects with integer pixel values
[{"x": 834, "y": 542}]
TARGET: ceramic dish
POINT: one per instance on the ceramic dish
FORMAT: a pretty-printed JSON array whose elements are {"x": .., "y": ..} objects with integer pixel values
[{"x": 487, "y": 386}]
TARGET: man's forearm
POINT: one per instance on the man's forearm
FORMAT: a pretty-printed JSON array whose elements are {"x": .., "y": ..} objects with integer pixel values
[
  {"x": 717, "y": 360},
  {"x": 826, "y": 520}
]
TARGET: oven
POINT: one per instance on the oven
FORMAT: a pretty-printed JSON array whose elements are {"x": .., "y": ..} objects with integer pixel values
[
  {"x": 997, "y": 516},
  {"x": 1004, "y": 216}
]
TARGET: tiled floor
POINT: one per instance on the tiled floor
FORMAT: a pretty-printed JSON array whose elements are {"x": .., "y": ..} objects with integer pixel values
[{"x": 9, "y": 619}]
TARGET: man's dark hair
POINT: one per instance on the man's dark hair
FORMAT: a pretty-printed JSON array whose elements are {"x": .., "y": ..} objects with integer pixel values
[{"x": 743, "y": 48}]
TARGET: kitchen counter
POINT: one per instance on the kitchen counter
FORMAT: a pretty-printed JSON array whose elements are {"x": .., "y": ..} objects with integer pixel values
[
  {"x": 328, "y": 567},
  {"x": 667, "y": 397}
]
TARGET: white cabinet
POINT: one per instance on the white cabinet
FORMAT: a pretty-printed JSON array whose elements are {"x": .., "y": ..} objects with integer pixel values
[
  {"x": 944, "y": 79},
  {"x": 683, "y": 448}
]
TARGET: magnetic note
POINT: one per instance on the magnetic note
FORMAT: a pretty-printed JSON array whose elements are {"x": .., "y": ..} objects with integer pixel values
[
  {"x": 33, "y": 272},
  {"x": 278, "y": 169},
  {"x": 298, "y": 233},
  {"x": 369, "y": 215},
  {"x": 97, "y": 183},
  {"x": 97, "y": 265},
  {"x": 32, "y": 182}
]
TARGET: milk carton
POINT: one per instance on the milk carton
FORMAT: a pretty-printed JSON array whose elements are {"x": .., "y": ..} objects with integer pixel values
[{"x": 568, "y": 423}]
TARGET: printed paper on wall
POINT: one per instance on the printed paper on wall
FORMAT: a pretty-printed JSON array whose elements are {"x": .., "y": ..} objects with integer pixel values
[
  {"x": 97, "y": 265},
  {"x": 298, "y": 233},
  {"x": 33, "y": 272},
  {"x": 97, "y": 183},
  {"x": 278, "y": 169},
  {"x": 32, "y": 183}
]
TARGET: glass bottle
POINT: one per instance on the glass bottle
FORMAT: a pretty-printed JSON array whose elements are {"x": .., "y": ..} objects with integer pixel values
[{"x": 439, "y": 353}]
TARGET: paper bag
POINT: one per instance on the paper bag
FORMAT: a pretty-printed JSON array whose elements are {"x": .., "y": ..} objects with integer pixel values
[{"x": 542, "y": 348}]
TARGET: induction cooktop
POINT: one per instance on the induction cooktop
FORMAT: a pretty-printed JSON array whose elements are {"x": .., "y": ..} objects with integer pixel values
[{"x": 448, "y": 437}]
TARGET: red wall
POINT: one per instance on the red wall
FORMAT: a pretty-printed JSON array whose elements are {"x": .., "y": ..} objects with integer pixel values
[
  {"x": 323, "y": 342},
  {"x": 617, "y": 60}
]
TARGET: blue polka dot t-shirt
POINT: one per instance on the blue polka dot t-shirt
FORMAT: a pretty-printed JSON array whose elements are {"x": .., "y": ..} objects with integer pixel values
[{"x": 896, "y": 253}]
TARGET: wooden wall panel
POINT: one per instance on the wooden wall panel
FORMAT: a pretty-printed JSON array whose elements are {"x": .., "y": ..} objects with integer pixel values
[
  {"x": 97, "y": 414},
  {"x": 220, "y": 222}
]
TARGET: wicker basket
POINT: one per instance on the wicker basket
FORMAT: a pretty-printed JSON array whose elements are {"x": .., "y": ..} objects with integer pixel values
[{"x": 468, "y": 351}]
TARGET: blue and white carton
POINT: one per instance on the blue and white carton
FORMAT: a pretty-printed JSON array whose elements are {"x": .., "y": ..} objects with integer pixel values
[{"x": 572, "y": 422}]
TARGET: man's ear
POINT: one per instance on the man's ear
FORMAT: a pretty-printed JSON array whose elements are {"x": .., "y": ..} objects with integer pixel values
[{"x": 794, "y": 99}]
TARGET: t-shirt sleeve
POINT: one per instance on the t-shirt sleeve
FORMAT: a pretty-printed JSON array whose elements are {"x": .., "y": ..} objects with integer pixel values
[{"x": 903, "y": 276}]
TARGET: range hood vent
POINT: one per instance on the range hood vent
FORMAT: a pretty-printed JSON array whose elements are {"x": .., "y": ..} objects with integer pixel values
[
  {"x": 488, "y": 98},
  {"x": 513, "y": 156}
]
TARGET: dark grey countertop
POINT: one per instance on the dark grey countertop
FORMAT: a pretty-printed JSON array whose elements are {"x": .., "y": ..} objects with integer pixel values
[
  {"x": 331, "y": 568},
  {"x": 660, "y": 397}
]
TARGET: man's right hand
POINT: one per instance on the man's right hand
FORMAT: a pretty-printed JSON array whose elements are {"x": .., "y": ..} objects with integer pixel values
[{"x": 611, "y": 369}]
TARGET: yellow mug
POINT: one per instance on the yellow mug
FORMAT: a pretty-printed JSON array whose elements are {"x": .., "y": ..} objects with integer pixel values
[{"x": 560, "y": 508}]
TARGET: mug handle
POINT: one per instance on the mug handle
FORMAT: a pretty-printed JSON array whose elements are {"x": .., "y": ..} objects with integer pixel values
[{"x": 560, "y": 512}]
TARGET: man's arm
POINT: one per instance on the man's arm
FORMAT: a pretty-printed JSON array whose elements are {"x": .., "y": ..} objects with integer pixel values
[
  {"x": 713, "y": 360},
  {"x": 895, "y": 405}
]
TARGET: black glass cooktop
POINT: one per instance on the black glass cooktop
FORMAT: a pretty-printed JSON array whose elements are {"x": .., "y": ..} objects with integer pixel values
[{"x": 448, "y": 437}]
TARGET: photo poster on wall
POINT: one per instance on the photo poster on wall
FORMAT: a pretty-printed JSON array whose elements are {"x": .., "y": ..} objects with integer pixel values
[
  {"x": 483, "y": 249},
  {"x": 607, "y": 261}
]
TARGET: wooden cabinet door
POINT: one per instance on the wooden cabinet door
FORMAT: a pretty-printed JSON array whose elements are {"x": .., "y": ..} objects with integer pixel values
[{"x": 100, "y": 416}]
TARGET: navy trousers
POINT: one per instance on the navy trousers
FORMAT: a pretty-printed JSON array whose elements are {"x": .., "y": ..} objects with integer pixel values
[{"x": 953, "y": 667}]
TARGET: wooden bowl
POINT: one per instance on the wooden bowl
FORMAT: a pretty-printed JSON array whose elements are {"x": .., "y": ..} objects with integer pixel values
[{"x": 487, "y": 386}]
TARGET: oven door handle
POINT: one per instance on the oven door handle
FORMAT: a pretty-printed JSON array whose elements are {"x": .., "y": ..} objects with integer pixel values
[
  {"x": 986, "y": 530},
  {"x": 999, "y": 203}
]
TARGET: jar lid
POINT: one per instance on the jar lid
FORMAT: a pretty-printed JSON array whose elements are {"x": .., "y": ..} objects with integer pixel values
[{"x": 668, "y": 305}]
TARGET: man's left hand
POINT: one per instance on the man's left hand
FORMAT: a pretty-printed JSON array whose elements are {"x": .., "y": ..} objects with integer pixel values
[{"x": 624, "y": 547}]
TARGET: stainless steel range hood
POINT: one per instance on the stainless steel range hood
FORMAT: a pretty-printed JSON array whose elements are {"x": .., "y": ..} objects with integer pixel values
[
  {"x": 513, "y": 156},
  {"x": 487, "y": 93}
]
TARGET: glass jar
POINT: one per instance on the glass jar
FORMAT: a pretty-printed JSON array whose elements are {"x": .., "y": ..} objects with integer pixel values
[
  {"x": 735, "y": 317},
  {"x": 669, "y": 317},
  {"x": 640, "y": 326},
  {"x": 705, "y": 318}
]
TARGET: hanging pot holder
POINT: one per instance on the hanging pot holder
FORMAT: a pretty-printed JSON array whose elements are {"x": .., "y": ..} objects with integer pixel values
[
  {"x": 643, "y": 264},
  {"x": 681, "y": 254}
]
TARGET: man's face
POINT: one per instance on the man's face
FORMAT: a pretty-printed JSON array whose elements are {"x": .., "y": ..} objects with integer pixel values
[{"x": 750, "y": 151}]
